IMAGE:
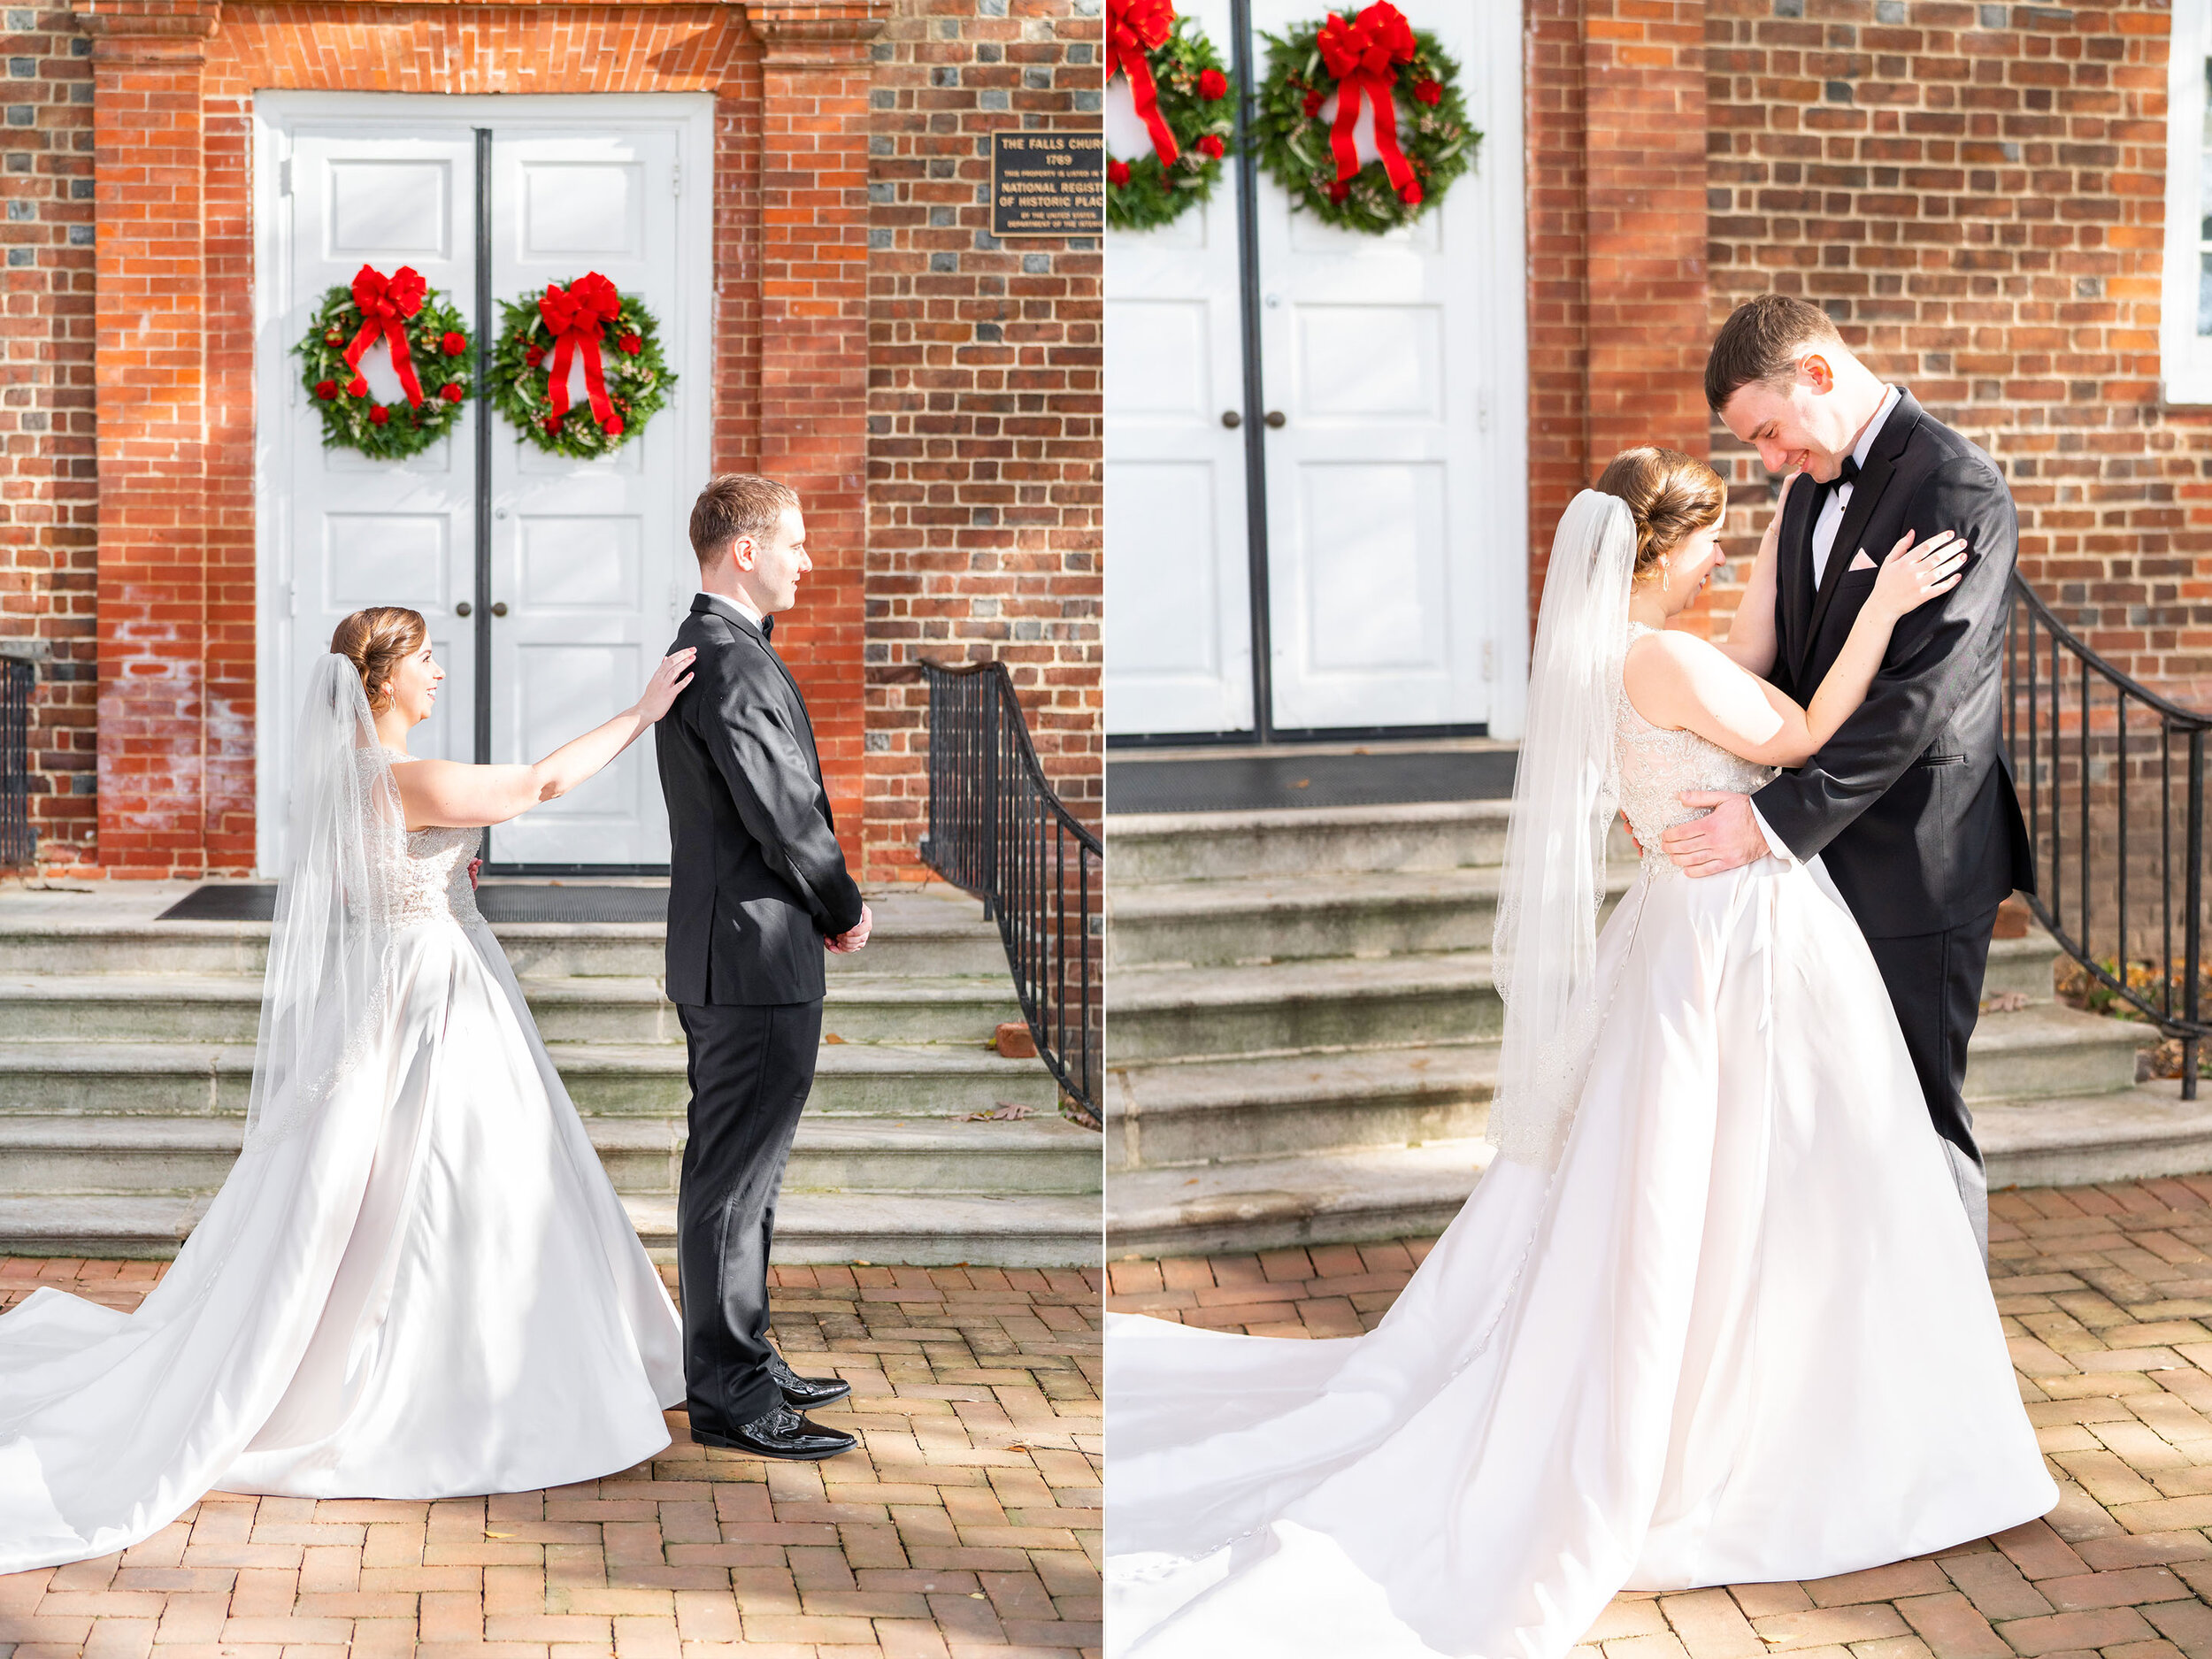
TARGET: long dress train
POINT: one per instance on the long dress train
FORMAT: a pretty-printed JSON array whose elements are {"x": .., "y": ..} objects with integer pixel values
[
  {"x": 1742, "y": 1332},
  {"x": 430, "y": 1290}
]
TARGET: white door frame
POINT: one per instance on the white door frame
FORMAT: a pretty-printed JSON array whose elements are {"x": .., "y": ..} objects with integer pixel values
[{"x": 277, "y": 395}]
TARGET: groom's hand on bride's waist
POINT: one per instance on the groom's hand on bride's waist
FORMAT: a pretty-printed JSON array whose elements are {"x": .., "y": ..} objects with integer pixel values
[{"x": 1726, "y": 838}]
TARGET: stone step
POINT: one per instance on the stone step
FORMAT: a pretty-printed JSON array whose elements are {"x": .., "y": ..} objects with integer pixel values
[
  {"x": 1268, "y": 1203},
  {"x": 937, "y": 933},
  {"x": 1282, "y": 918},
  {"x": 2134, "y": 1135},
  {"x": 1168, "y": 1013},
  {"x": 1216, "y": 1111},
  {"x": 2049, "y": 1051},
  {"x": 52, "y": 1156},
  {"x": 225, "y": 1009},
  {"x": 2026, "y": 965},
  {"x": 922, "y": 1229},
  {"x": 1143, "y": 848},
  {"x": 185, "y": 1079}
]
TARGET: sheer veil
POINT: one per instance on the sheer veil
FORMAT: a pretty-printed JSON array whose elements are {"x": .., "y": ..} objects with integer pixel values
[
  {"x": 1565, "y": 792},
  {"x": 322, "y": 993}
]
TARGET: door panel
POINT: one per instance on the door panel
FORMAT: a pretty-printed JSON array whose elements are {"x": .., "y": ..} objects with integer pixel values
[
  {"x": 1178, "y": 654},
  {"x": 589, "y": 557},
  {"x": 356, "y": 532}
]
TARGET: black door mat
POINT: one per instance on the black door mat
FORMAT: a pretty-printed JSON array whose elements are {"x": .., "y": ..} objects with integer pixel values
[
  {"x": 1249, "y": 783},
  {"x": 500, "y": 902}
]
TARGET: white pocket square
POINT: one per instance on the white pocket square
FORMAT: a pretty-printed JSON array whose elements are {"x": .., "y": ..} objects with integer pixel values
[{"x": 1861, "y": 563}]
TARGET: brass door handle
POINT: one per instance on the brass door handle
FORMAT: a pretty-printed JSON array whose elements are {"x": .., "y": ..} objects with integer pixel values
[
  {"x": 462, "y": 609},
  {"x": 1276, "y": 417},
  {"x": 1230, "y": 418},
  {"x": 499, "y": 607}
]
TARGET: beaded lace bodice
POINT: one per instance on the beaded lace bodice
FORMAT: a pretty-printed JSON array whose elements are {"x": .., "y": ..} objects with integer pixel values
[
  {"x": 433, "y": 877},
  {"x": 1656, "y": 765}
]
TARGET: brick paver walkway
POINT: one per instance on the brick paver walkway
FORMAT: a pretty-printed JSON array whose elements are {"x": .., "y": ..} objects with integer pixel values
[
  {"x": 2107, "y": 1296},
  {"x": 966, "y": 1526}
]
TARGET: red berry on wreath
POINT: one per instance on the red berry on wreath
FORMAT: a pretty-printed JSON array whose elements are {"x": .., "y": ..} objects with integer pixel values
[
  {"x": 1117, "y": 173},
  {"x": 331, "y": 337},
  {"x": 1430, "y": 92},
  {"x": 356, "y": 388},
  {"x": 326, "y": 389},
  {"x": 378, "y": 415},
  {"x": 451, "y": 392},
  {"x": 632, "y": 343},
  {"x": 1210, "y": 146},
  {"x": 454, "y": 344},
  {"x": 1212, "y": 84},
  {"x": 1314, "y": 101},
  {"x": 534, "y": 356}
]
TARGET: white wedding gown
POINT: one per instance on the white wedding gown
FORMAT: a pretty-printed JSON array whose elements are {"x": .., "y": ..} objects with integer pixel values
[
  {"x": 431, "y": 1290},
  {"x": 1742, "y": 1333}
]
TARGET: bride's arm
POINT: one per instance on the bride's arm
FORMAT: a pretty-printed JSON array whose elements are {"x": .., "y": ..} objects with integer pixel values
[
  {"x": 1751, "y": 641},
  {"x": 1678, "y": 681},
  {"x": 452, "y": 794}
]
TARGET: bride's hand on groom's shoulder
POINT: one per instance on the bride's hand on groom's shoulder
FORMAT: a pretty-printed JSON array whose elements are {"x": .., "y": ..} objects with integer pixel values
[{"x": 669, "y": 679}]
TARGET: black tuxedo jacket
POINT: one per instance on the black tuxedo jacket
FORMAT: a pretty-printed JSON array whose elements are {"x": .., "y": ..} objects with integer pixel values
[
  {"x": 756, "y": 878},
  {"x": 1910, "y": 805}
]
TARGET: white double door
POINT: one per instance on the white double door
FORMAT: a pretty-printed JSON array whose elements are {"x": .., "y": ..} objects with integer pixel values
[
  {"x": 1393, "y": 374},
  {"x": 589, "y": 563}
]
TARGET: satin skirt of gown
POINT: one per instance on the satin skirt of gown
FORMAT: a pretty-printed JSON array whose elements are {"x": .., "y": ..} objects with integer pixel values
[
  {"x": 1743, "y": 1332},
  {"x": 429, "y": 1291}
]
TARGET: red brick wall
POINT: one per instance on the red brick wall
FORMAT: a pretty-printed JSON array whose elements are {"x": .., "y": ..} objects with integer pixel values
[
  {"x": 1979, "y": 201},
  {"x": 47, "y": 534},
  {"x": 985, "y": 487}
]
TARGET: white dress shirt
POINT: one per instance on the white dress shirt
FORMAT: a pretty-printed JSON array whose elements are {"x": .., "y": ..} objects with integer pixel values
[{"x": 1825, "y": 528}]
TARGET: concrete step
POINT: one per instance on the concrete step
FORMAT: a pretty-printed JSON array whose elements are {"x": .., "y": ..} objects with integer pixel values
[
  {"x": 185, "y": 1079},
  {"x": 935, "y": 932},
  {"x": 2049, "y": 1051},
  {"x": 53, "y": 1156},
  {"x": 2134, "y": 1135},
  {"x": 2025, "y": 965},
  {"x": 1266, "y": 1203},
  {"x": 225, "y": 1009},
  {"x": 1168, "y": 1013},
  {"x": 1144, "y": 848},
  {"x": 927, "y": 1229},
  {"x": 1217, "y": 1110}
]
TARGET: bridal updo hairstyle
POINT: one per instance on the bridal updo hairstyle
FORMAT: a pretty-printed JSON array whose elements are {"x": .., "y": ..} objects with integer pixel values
[
  {"x": 376, "y": 641},
  {"x": 1671, "y": 497}
]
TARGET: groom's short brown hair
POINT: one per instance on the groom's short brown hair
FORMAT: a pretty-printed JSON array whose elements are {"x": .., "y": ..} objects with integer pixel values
[
  {"x": 1760, "y": 344},
  {"x": 736, "y": 504}
]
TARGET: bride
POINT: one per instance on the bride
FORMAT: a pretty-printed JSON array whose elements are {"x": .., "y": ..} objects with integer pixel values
[
  {"x": 1714, "y": 1314},
  {"x": 417, "y": 1281}
]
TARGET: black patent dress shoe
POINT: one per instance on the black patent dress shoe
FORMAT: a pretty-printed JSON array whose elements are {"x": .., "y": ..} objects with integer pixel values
[
  {"x": 782, "y": 1433},
  {"x": 805, "y": 1393}
]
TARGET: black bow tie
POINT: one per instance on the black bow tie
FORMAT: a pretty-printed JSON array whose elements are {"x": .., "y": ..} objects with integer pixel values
[{"x": 1847, "y": 472}]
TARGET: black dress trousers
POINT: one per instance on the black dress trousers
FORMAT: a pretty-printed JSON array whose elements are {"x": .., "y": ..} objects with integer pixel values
[
  {"x": 1935, "y": 984},
  {"x": 750, "y": 1068}
]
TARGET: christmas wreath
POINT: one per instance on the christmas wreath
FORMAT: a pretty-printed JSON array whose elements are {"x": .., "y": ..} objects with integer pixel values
[
  {"x": 429, "y": 345},
  {"x": 541, "y": 335},
  {"x": 1371, "y": 62},
  {"x": 1184, "y": 98}
]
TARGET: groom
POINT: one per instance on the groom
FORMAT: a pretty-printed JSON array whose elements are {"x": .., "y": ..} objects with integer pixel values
[
  {"x": 1910, "y": 805},
  {"x": 758, "y": 889}
]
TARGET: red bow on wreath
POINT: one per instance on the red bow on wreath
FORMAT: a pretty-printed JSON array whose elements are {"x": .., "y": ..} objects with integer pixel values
[
  {"x": 1364, "y": 55},
  {"x": 1135, "y": 29},
  {"x": 578, "y": 318},
  {"x": 384, "y": 300}
]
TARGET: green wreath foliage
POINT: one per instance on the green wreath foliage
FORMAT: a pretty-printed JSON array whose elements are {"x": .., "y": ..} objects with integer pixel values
[
  {"x": 1438, "y": 138},
  {"x": 388, "y": 432},
  {"x": 638, "y": 380},
  {"x": 1143, "y": 195}
]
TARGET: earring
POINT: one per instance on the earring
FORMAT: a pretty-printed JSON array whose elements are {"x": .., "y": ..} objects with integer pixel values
[{"x": 1664, "y": 584}]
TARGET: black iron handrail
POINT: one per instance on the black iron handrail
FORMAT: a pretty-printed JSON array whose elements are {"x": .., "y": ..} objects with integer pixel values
[
  {"x": 997, "y": 830},
  {"x": 2059, "y": 743},
  {"x": 19, "y": 845}
]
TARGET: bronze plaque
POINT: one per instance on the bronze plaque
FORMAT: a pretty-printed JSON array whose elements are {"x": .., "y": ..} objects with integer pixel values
[{"x": 1047, "y": 184}]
